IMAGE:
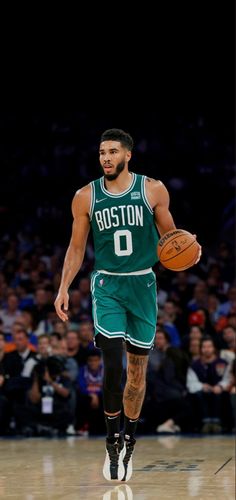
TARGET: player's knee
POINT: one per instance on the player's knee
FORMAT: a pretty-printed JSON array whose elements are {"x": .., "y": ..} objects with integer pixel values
[{"x": 113, "y": 370}]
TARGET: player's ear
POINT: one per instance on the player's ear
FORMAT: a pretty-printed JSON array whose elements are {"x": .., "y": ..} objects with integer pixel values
[{"x": 128, "y": 155}]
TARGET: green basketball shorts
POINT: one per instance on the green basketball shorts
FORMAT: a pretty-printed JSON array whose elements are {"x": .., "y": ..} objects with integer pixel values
[{"x": 125, "y": 306}]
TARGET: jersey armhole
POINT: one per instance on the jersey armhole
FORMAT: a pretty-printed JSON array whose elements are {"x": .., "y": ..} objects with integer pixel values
[
  {"x": 92, "y": 201},
  {"x": 144, "y": 195}
]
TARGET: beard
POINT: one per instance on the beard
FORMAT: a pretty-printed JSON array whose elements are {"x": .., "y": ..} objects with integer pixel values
[{"x": 119, "y": 168}]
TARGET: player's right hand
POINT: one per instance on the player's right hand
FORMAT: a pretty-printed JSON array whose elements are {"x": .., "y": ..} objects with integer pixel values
[{"x": 62, "y": 301}]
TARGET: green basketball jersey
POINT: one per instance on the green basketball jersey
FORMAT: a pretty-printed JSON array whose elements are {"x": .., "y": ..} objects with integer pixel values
[{"x": 123, "y": 226}]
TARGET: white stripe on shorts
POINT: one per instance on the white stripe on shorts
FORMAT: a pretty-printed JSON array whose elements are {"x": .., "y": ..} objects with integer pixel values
[{"x": 135, "y": 273}]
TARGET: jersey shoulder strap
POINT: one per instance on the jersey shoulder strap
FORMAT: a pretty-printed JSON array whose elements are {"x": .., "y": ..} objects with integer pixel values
[
  {"x": 96, "y": 193},
  {"x": 144, "y": 194}
]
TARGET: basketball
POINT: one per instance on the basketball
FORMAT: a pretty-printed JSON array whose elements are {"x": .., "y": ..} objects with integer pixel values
[{"x": 178, "y": 250}]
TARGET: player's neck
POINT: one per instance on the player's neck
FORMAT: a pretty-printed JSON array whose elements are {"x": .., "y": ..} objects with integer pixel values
[{"x": 121, "y": 183}]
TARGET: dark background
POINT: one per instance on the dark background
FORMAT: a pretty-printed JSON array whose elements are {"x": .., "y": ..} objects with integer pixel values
[{"x": 172, "y": 88}]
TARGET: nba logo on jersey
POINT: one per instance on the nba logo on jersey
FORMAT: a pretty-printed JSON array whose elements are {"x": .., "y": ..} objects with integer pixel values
[
  {"x": 135, "y": 195},
  {"x": 101, "y": 282}
]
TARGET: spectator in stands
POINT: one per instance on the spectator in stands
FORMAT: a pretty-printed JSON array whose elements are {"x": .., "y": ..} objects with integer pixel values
[
  {"x": 229, "y": 306},
  {"x": 232, "y": 392},
  {"x": 17, "y": 367},
  {"x": 60, "y": 327},
  {"x": 85, "y": 296},
  {"x": 11, "y": 313},
  {"x": 86, "y": 341},
  {"x": 44, "y": 349},
  {"x": 195, "y": 333},
  {"x": 4, "y": 406},
  {"x": 55, "y": 340},
  {"x": 73, "y": 343},
  {"x": 194, "y": 349},
  {"x": 181, "y": 290},
  {"x": 2, "y": 346},
  {"x": 77, "y": 312},
  {"x": 167, "y": 321},
  {"x": 10, "y": 344},
  {"x": 166, "y": 407},
  {"x": 200, "y": 297},
  {"x": 49, "y": 405},
  {"x": 228, "y": 350},
  {"x": 89, "y": 404},
  {"x": 41, "y": 306},
  {"x": 207, "y": 379},
  {"x": 26, "y": 318}
]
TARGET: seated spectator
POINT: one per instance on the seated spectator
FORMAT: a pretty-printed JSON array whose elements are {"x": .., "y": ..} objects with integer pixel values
[
  {"x": 77, "y": 311},
  {"x": 167, "y": 320},
  {"x": 207, "y": 380},
  {"x": 44, "y": 349},
  {"x": 86, "y": 341},
  {"x": 55, "y": 340},
  {"x": 2, "y": 345},
  {"x": 10, "y": 344},
  {"x": 228, "y": 350},
  {"x": 85, "y": 296},
  {"x": 17, "y": 368},
  {"x": 227, "y": 339},
  {"x": 89, "y": 412},
  {"x": 181, "y": 290},
  {"x": 4, "y": 407},
  {"x": 195, "y": 333},
  {"x": 60, "y": 327},
  {"x": 232, "y": 391},
  {"x": 27, "y": 320},
  {"x": 229, "y": 306},
  {"x": 200, "y": 297},
  {"x": 73, "y": 343},
  {"x": 165, "y": 406},
  {"x": 48, "y": 405},
  {"x": 70, "y": 364},
  {"x": 41, "y": 307},
  {"x": 213, "y": 305},
  {"x": 194, "y": 349},
  {"x": 10, "y": 313}
]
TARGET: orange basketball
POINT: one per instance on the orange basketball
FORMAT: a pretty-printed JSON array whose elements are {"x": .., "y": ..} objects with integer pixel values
[{"x": 178, "y": 250}]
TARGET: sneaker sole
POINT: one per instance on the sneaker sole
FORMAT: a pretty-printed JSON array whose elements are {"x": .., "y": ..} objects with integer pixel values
[{"x": 121, "y": 469}]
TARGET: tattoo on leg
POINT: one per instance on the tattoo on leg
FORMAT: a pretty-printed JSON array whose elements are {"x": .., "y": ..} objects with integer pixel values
[{"x": 135, "y": 386}]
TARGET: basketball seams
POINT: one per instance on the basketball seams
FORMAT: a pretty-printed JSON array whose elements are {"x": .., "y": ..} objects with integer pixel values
[
  {"x": 179, "y": 253},
  {"x": 189, "y": 264}
]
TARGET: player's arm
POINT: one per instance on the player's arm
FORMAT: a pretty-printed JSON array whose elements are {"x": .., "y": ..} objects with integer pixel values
[
  {"x": 159, "y": 200},
  {"x": 75, "y": 253}
]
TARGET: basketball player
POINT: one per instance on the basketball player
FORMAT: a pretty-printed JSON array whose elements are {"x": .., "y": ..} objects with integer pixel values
[{"x": 126, "y": 211}]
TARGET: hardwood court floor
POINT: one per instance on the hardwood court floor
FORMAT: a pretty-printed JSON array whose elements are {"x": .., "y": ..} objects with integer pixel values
[{"x": 172, "y": 467}]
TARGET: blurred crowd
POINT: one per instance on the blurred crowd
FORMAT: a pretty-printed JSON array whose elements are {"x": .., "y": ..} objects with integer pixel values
[{"x": 51, "y": 374}]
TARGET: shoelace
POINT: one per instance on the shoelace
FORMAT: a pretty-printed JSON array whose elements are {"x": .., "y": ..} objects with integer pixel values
[
  {"x": 129, "y": 451},
  {"x": 113, "y": 453}
]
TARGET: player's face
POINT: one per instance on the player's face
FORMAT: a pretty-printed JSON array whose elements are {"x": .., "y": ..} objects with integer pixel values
[{"x": 113, "y": 158}]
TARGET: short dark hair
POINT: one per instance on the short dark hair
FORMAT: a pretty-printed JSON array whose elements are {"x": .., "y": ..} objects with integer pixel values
[
  {"x": 22, "y": 329},
  {"x": 165, "y": 333},
  {"x": 207, "y": 338},
  {"x": 116, "y": 134},
  {"x": 94, "y": 352}
]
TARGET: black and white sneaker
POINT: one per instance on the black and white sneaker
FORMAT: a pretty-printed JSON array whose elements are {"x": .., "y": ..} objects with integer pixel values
[
  {"x": 113, "y": 468},
  {"x": 127, "y": 460}
]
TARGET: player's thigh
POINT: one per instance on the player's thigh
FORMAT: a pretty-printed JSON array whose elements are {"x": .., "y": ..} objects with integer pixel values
[
  {"x": 108, "y": 312},
  {"x": 142, "y": 312}
]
